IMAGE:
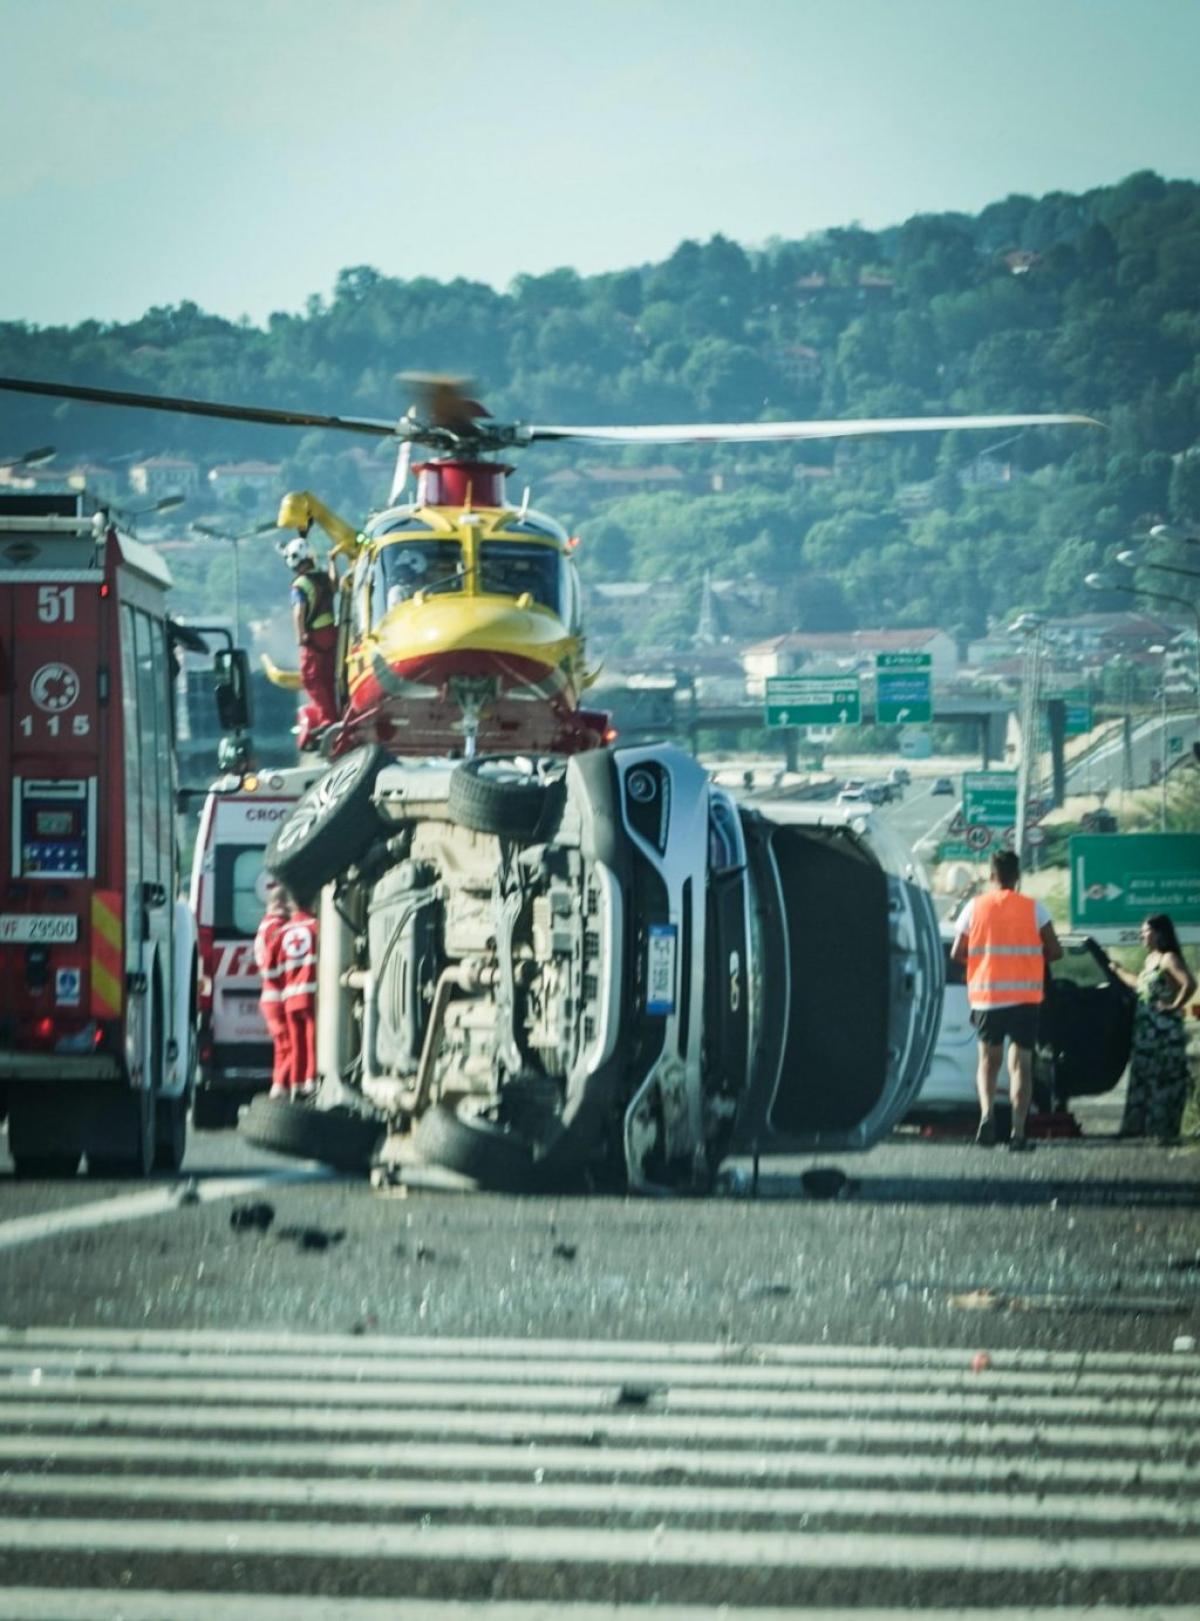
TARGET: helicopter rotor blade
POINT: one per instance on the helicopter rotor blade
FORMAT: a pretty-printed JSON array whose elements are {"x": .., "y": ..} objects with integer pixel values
[
  {"x": 199, "y": 408},
  {"x": 768, "y": 432}
]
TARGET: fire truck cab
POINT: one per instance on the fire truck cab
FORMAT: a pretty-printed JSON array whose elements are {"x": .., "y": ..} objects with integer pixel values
[{"x": 98, "y": 951}]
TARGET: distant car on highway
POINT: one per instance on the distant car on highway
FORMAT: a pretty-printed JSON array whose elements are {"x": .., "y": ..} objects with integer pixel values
[
  {"x": 879, "y": 793},
  {"x": 853, "y": 796},
  {"x": 942, "y": 785},
  {"x": 899, "y": 776}
]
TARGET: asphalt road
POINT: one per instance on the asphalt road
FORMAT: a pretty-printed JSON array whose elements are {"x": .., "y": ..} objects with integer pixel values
[
  {"x": 968, "y": 1383},
  {"x": 961, "y": 1371}
]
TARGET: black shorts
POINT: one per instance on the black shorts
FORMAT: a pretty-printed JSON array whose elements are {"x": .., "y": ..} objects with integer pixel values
[{"x": 1019, "y": 1024}]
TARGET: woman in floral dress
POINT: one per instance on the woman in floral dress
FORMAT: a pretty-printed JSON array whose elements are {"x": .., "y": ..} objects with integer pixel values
[{"x": 1158, "y": 1067}]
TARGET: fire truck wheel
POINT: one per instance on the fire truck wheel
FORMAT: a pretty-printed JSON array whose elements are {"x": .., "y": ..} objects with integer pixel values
[
  {"x": 489, "y": 1155},
  {"x": 36, "y": 1141},
  {"x": 338, "y": 1137},
  {"x": 121, "y": 1136},
  {"x": 333, "y": 825},
  {"x": 506, "y": 796},
  {"x": 214, "y": 1111},
  {"x": 170, "y": 1129}
]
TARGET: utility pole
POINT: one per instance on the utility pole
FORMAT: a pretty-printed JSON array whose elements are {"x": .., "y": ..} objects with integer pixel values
[{"x": 1030, "y": 627}]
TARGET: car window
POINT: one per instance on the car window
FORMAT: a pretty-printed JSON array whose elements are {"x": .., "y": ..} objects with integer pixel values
[{"x": 237, "y": 905}]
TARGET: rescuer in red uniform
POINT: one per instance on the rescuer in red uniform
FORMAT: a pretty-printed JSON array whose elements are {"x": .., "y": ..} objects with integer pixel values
[
  {"x": 298, "y": 951},
  {"x": 269, "y": 957},
  {"x": 312, "y": 615}
]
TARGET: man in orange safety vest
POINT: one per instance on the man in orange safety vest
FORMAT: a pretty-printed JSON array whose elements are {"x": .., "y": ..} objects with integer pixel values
[{"x": 1005, "y": 940}]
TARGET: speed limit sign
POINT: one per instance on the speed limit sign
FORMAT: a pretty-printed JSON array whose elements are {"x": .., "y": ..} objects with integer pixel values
[
  {"x": 978, "y": 838},
  {"x": 1035, "y": 836}
]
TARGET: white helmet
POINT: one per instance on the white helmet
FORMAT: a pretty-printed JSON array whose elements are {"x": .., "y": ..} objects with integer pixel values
[{"x": 297, "y": 551}]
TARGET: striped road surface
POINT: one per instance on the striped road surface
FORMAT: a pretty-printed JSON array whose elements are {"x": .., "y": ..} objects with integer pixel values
[{"x": 279, "y": 1477}]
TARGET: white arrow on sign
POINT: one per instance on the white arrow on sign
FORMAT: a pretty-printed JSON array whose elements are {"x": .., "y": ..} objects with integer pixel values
[
  {"x": 1103, "y": 892},
  {"x": 901, "y": 714},
  {"x": 843, "y": 713}
]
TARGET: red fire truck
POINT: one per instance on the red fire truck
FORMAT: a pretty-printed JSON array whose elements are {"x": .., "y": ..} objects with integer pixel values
[{"x": 97, "y": 953}]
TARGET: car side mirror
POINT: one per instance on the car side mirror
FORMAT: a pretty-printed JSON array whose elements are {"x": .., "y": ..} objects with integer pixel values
[{"x": 231, "y": 675}]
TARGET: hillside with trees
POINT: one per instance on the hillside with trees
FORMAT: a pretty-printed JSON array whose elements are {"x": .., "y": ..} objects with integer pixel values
[{"x": 1086, "y": 303}]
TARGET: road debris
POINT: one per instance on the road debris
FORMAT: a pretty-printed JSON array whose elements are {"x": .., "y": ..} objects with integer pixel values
[{"x": 256, "y": 1217}]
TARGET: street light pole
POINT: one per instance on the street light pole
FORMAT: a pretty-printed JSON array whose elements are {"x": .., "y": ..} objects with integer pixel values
[{"x": 1162, "y": 730}]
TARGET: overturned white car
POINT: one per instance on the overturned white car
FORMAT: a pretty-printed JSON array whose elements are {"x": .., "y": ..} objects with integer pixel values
[{"x": 597, "y": 971}]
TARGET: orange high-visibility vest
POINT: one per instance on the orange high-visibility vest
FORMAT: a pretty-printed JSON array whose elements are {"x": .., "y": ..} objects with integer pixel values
[{"x": 1005, "y": 962}]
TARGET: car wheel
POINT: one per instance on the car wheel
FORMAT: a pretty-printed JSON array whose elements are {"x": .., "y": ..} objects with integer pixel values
[
  {"x": 333, "y": 824},
  {"x": 478, "y": 1149},
  {"x": 337, "y": 1137},
  {"x": 506, "y": 796}
]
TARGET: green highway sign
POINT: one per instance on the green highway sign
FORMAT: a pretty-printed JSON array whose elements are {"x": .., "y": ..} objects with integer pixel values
[
  {"x": 990, "y": 798},
  {"x": 813, "y": 700},
  {"x": 1174, "y": 745},
  {"x": 904, "y": 661},
  {"x": 1116, "y": 881},
  {"x": 1079, "y": 717},
  {"x": 903, "y": 691}
]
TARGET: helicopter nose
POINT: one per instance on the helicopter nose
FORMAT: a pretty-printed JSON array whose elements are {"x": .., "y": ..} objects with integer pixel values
[{"x": 477, "y": 624}]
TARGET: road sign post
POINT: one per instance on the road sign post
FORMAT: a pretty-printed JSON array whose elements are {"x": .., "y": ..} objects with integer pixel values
[
  {"x": 1116, "y": 881},
  {"x": 813, "y": 700},
  {"x": 903, "y": 688}
]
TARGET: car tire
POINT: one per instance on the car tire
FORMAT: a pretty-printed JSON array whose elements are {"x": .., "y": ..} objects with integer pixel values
[
  {"x": 485, "y": 1153},
  {"x": 502, "y": 795},
  {"x": 336, "y": 1137},
  {"x": 333, "y": 824}
]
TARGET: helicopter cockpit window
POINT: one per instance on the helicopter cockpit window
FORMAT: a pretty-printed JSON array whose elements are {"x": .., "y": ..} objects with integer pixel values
[
  {"x": 511, "y": 568},
  {"x": 420, "y": 565}
]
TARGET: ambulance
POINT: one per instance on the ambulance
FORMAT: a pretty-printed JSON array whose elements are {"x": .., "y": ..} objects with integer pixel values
[{"x": 228, "y": 897}]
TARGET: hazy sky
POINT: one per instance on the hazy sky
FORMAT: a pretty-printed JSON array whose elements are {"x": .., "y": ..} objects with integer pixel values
[{"x": 241, "y": 152}]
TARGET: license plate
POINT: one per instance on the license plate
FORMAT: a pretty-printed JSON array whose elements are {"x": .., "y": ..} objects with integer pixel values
[
  {"x": 38, "y": 929},
  {"x": 660, "y": 967}
]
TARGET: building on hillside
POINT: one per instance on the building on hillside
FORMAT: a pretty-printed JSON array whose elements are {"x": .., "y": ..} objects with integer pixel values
[
  {"x": 159, "y": 476},
  {"x": 844, "y": 649},
  {"x": 96, "y": 479},
  {"x": 228, "y": 477},
  {"x": 1108, "y": 633}
]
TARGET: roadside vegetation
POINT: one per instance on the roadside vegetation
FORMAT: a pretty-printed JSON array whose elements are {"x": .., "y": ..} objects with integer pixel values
[{"x": 1087, "y": 303}]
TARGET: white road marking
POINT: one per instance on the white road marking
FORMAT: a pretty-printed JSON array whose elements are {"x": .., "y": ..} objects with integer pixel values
[
  {"x": 431, "y": 1396},
  {"x": 727, "y": 1353},
  {"x": 510, "y": 1458},
  {"x": 599, "y": 1545},
  {"x": 99, "y": 1415},
  {"x": 86, "y": 1604},
  {"x": 1181, "y": 1378},
  {"x": 152, "y": 1202},
  {"x": 613, "y": 1499}
]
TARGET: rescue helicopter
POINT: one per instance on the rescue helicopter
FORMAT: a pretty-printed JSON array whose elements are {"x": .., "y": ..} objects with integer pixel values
[{"x": 460, "y": 624}]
